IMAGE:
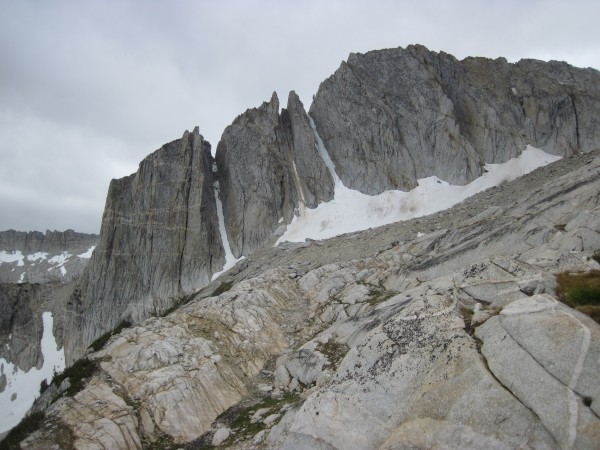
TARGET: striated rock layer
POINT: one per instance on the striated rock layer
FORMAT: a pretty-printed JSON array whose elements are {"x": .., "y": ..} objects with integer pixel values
[
  {"x": 159, "y": 240},
  {"x": 389, "y": 117}
]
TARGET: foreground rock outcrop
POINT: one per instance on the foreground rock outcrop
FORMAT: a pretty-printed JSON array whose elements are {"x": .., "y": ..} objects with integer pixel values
[
  {"x": 159, "y": 240},
  {"x": 389, "y": 117},
  {"x": 451, "y": 339}
]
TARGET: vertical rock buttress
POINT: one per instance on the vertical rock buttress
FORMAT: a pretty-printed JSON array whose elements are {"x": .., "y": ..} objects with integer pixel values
[
  {"x": 269, "y": 166},
  {"x": 159, "y": 240}
]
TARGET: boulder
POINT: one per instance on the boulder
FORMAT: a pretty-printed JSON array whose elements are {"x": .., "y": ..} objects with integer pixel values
[{"x": 548, "y": 356}]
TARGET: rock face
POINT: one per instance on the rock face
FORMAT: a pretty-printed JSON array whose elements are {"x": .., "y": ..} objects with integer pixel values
[
  {"x": 37, "y": 273},
  {"x": 269, "y": 166},
  {"x": 159, "y": 240},
  {"x": 21, "y": 324},
  {"x": 35, "y": 257},
  {"x": 389, "y": 117},
  {"x": 373, "y": 352}
]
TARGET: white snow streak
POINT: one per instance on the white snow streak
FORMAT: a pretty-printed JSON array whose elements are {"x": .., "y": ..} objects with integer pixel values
[
  {"x": 59, "y": 261},
  {"x": 88, "y": 254},
  {"x": 350, "y": 210},
  {"x": 324, "y": 154},
  {"x": 26, "y": 384},
  {"x": 230, "y": 260}
]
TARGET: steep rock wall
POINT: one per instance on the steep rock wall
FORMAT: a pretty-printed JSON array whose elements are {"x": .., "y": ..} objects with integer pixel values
[
  {"x": 389, "y": 117},
  {"x": 50, "y": 242},
  {"x": 268, "y": 166},
  {"x": 21, "y": 324},
  {"x": 159, "y": 240}
]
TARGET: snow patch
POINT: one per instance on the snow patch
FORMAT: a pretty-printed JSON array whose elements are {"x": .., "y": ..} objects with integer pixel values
[
  {"x": 25, "y": 385},
  {"x": 351, "y": 210},
  {"x": 230, "y": 260},
  {"x": 59, "y": 262},
  {"x": 88, "y": 254},
  {"x": 324, "y": 154},
  {"x": 11, "y": 257},
  {"x": 37, "y": 256}
]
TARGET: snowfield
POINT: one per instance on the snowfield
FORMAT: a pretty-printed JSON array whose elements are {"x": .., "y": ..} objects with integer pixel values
[
  {"x": 22, "y": 388},
  {"x": 11, "y": 257},
  {"x": 351, "y": 210}
]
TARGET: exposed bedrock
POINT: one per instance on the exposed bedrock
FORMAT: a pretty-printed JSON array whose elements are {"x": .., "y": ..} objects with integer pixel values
[
  {"x": 269, "y": 166},
  {"x": 159, "y": 240},
  {"x": 389, "y": 117}
]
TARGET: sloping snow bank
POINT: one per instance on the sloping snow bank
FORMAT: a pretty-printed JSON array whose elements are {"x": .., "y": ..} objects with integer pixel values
[
  {"x": 22, "y": 388},
  {"x": 351, "y": 210},
  {"x": 88, "y": 254},
  {"x": 10, "y": 257}
]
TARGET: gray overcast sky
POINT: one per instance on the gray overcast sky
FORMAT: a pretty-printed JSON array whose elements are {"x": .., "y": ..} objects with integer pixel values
[{"x": 89, "y": 88}]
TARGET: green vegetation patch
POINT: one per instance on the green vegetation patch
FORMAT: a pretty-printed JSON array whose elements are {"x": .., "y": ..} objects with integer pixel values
[
  {"x": 377, "y": 294},
  {"x": 102, "y": 340},
  {"x": 581, "y": 291},
  {"x": 163, "y": 442},
  {"x": 467, "y": 315},
  {"x": 239, "y": 419},
  {"x": 77, "y": 374}
]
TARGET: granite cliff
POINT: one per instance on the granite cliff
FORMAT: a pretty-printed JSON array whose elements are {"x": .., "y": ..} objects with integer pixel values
[
  {"x": 269, "y": 166},
  {"x": 390, "y": 117},
  {"x": 159, "y": 240},
  {"x": 404, "y": 336}
]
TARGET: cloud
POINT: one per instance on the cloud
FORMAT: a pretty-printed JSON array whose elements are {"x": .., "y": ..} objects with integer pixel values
[{"x": 87, "y": 89}]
